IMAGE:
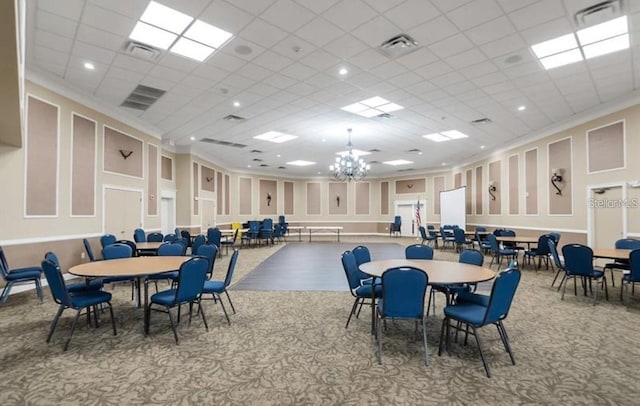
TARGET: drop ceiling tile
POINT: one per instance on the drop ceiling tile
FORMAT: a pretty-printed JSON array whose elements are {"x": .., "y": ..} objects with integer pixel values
[
  {"x": 365, "y": 79},
  {"x": 131, "y": 63},
  {"x": 51, "y": 56},
  {"x": 192, "y": 7},
  {"x": 263, "y": 89},
  {"x": 287, "y": 15},
  {"x": 368, "y": 59},
  {"x": 130, "y": 8},
  {"x": 498, "y": 88},
  {"x": 460, "y": 87},
  {"x": 209, "y": 72},
  {"x": 53, "y": 41},
  {"x": 107, "y": 20},
  {"x": 466, "y": 58},
  {"x": 262, "y": 33},
  {"x": 254, "y": 7},
  {"x": 405, "y": 79},
  {"x": 92, "y": 53},
  {"x": 420, "y": 57},
  {"x": 537, "y": 13},
  {"x": 124, "y": 75},
  {"x": 448, "y": 5},
  {"x": 376, "y": 31},
  {"x": 523, "y": 69},
  {"x": 254, "y": 72},
  {"x": 70, "y": 9},
  {"x": 490, "y": 79},
  {"x": 511, "y": 5},
  {"x": 177, "y": 62},
  {"x": 448, "y": 79},
  {"x": 433, "y": 31},
  {"x": 320, "y": 60},
  {"x": 280, "y": 81},
  {"x": 226, "y": 16},
  {"x": 504, "y": 46},
  {"x": 321, "y": 80},
  {"x": 173, "y": 75},
  {"x": 319, "y": 32},
  {"x": 199, "y": 82},
  {"x": 480, "y": 69},
  {"x": 547, "y": 31},
  {"x": 316, "y": 6},
  {"x": 298, "y": 71},
  {"x": 474, "y": 13},
  {"x": 58, "y": 25},
  {"x": 83, "y": 78},
  {"x": 434, "y": 70},
  {"x": 99, "y": 38},
  {"x": 490, "y": 31},
  {"x": 474, "y": 94},
  {"x": 349, "y": 14},
  {"x": 346, "y": 46},
  {"x": 272, "y": 61},
  {"x": 388, "y": 70},
  {"x": 225, "y": 61},
  {"x": 451, "y": 46},
  {"x": 382, "y": 5},
  {"x": 411, "y": 13}
]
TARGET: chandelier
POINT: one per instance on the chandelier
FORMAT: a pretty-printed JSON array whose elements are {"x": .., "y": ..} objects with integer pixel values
[{"x": 349, "y": 167}]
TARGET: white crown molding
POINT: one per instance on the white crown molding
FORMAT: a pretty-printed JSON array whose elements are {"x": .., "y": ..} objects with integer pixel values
[{"x": 56, "y": 84}]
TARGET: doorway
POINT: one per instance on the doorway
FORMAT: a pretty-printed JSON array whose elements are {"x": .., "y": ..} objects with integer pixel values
[
  {"x": 607, "y": 213},
  {"x": 208, "y": 213},
  {"x": 122, "y": 211},
  {"x": 406, "y": 209}
]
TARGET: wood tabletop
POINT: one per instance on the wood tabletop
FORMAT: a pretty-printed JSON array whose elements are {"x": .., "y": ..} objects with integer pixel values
[
  {"x": 324, "y": 228},
  {"x": 148, "y": 245},
  {"x": 438, "y": 271},
  {"x": 611, "y": 253},
  {"x": 137, "y": 266},
  {"x": 518, "y": 238}
]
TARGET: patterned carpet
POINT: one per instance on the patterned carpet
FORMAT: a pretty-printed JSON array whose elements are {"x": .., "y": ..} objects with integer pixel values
[{"x": 291, "y": 348}]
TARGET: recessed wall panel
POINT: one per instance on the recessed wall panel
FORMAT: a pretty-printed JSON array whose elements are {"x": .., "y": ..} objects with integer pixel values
[
  {"x": 122, "y": 153},
  {"x": 288, "y": 198},
  {"x": 245, "y": 196},
  {"x": 166, "y": 164},
  {"x": 560, "y": 203},
  {"x": 514, "y": 185},
  {"x": 495, "y": 203},
  {"x": 479, "y": 191},
  {"x": 268, "y": 197},
  {"x": 410, "y": 186},
  {"x": 338, "y": 199},
  {"x": 438, "y": 186},
  {"x": 313, "y": 198},
  {"x": 457, "y": 180},
  {"x": 531, "y": 181},
  {"x": 226, "y": 194},
  {"x": 152, "y": 180},
  {"x": 83, "y": 168},
  {"x": 219, "y": 209},
  {"x": 195, "y": 191},
  {"x": 362, "y": 197},
  {"x": 468, "y": 192},
  {"x": 208, "y": 179},
  {"x": 384, "y": 197},
  {"x": 606, "y": 148}
]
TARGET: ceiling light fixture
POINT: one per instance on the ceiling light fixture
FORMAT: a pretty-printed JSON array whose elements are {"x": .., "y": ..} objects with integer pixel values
[
  {"x": 275, "y": 136},
  {"x": 398, "y": 162},
  {"x": 372, "y": 107},
  {"x": 300, "y": 162},
  {"x": 349, "y": 166},
  {"x": 236, "y": 104},
  {"x": 445, "y": 136},
  {"x": 89, "y": 66},
  {"x": 343, "y": 71},
  {"x": 522, "y": 108},
  {"x": 150, "y": 35},
  {"x": 166, "y": 18},
  {"x": 207, "y": 34},
  {"x": 191, "y": 49}
]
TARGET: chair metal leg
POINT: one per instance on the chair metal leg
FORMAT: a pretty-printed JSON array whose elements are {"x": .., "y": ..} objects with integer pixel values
[
  {"x": 113, "y": 319},
  {"x": 39, "y": 290},
  {"x": 230, "y": 302},
  {"x": 484, "y": 360},
  {"x": 73, "y": 327},
  {"x": 424, "y": 338},
  {"x": 379, "y": 337},
  {"x": 173, "y": 326},
  {"x": 505, "y": 340},
  {"x": 5, "y": 292},
  {"x": 190, "y": 311},
  {"x": 54, "y": 323},
  {"x": 201, "y": 311},
  {"x": 564, "y": 289},
  {"x": 224, "y": 309},
  {"x": 554, "y": 279},
  {"x": 353, "y": 309}
]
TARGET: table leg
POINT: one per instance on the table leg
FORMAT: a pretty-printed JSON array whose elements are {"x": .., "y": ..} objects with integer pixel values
[
  {"x": 146, "y": 309},
  {"x": 300, "y": 235},
  {"x": 139, "y": 302},
  {"x": 338, "y": 235},
  {"x": 373, "y": 306},
  {"x": 309, "y": 235}
]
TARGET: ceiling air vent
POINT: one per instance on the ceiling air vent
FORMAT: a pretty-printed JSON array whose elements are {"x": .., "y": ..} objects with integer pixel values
[
  {"x": 263, "y": 165},
  {"x": 397, "y": 46},
  {"x": 142, "y": 51},
  {"x": 484, "y": 120},
  {"x": 282, "y": 167},
  {"x": 257, "y": 160},
  {"x": 598, "y": 13},
  {"x": 414, "y": 150},
  {"x": 256, "y": 151},
  {"x": 374, "y": 150},
  {"x": 374, "y": 162},
  {"x": 224, "y": 143},
  {"x": 232, "y": 117},
  {"x": 405, "y": 170},
  {"x": 142, "y": 97},
  {"x": 384, "y": 115}
]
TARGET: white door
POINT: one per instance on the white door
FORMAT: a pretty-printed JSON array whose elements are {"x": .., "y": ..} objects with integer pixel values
[
  {"x": 208, "y": 210},
  {"x": 122, "y": 212},
  {"x": 608, "y": 225},
  {"x": 405, "y": 211},
  {"x": 167, "y": 215}
]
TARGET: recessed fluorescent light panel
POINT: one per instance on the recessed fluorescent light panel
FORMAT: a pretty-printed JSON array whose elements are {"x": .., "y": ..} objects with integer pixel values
[
  {"x": 300, "y": 163},
  {"x": 275, "y": 136},
  {"x": 600, "y": 39},
  {"x": 163, "y": 27},
  {"x": 372, "y": 107},
  {"x": 398, "y": 162},
  {"x": 446, "y": 136}
]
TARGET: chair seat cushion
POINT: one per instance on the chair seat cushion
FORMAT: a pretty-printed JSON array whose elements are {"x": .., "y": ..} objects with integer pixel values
[
  {"x": 597, "y": 274},
  {"x": 24, "y": 273},
  {"x": 467, "y": 312},
  {"x": 77, "y": 287},
  {"x": 474, "y": 298},
  {"x": 165, "y": 275},
  {"x": 89, "y": 298},
  {"x": 213, "y": 287},
  {"x": 376, "y": 281},
  {"x": 166, "y": 297},
  {"x": 365, "y": 291},
  {"x": 507, "y": 251}
]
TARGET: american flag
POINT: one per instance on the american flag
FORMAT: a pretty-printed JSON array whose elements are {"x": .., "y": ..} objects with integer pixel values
[{"x": 418, "y": 218}]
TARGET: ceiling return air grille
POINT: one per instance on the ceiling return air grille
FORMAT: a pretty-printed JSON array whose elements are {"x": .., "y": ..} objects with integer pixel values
[
  {"x": 142, "y": 51},
  {"x": 598, "y": 13},
  {"x": 399, "y": 45},
  {"x": 142, "y": 97},
  {"x": 224, "y": 143}
]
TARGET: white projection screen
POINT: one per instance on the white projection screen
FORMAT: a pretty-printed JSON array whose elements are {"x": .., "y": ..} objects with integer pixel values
[{"x": 453, "y": 207}]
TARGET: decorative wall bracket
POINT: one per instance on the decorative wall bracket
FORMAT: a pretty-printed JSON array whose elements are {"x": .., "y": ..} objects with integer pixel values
[
  {"x": 125, "y": 153},
  {"x": 268, "y": 199},
  {"x": 492, "y": 189},
  {"x": 556, "y": 180}
]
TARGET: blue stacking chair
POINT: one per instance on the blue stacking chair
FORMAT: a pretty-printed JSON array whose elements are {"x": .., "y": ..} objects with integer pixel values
[
  {"x": 107, "y": 239},
  {"x": 232, "y": 242},
  {"x": 541, "y": 251},
  {"x": 497, "y": 252},
  {"x": 216, "y": 288},
  {"x": 189, "y": 290},
  {"x": 553, "y": 251},
  {"x": 361, "y": 292},
  {"x": 446, "y": 235},
  {"x": 214, "y": 236},
  {"x": 210, "y": 252},
  {"x": 88, "y": 249},
  {"x": 174, "y": 249},
  {"x": 460, "y": 239},
  {"x": 483, "y": 244},
  {"x": 266, "y": 231},
  {"x": 117, "y": 251},
  {"x": 252, "y": 234},
  {"x": 363, "y": 256},
  {"x": 170, "y": 237},
  {"x": 403, "y": 291},
  {"x": 18, "y": 275},
  {"x": 623, "y": 265},
  {"x": 475, "y": 311},
  {"x": 186, "y": 235},
  {"x": 634, "y": 273},
  {"x": 76, "y": 301},
  {"x": 431, "y": 230},
  {"x": 578, "y": 263},
  {"x": 76, "y": 287},
  {"x": 139, "y": 235},
  {"x": 396, "y": 227},
  {"x": 418, "y": 251},
  {"x": 197, "y": 242},
  {"x": 155, "y": 237},
  {"x": 426, "y": 237}
]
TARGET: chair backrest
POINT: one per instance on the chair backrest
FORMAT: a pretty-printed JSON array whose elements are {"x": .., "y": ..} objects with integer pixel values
[
  {"x": 478, "y": 238},
  {"x": 508, "y": 233},
  {"x": 139, "y": 235},
  {"x": 281, "y": 220},
  {"x": 555, "y": 236},
  {"x": 397, "y": 220},
  {"x": 87, "y": 247},
  {"x": 578, "y": 259},
  {"x": 473, "y": 257},
  {"x": 502, "y": 293},
  {"x": 4, "y": 265},
  {"x": 155, "y": 237},
  {"x": 115, "y": 251},
  {"x": 493, "y": 243},
  {"x": 197, "y": 242},
  {"x": 107, "y": 239},
  {"x": 481, "y": 229},
  {"x": 418, "y": 251},
  {"x": 254, "y": 228},
  {"x": 351, "y": 270},
  {"x": 186, "y": 235},
  {"x": 214, "y": 235},
  {"x": 210, "y": 252},
  {"x": 267, "y": 224},
  {"x": 131, "y": 245},
  {"x": 52, "y": 257},
  {"x": 231, "y": 267},
  {"x": 543, "y": 245},
  {"x": 403, "y": 291},
  {"x": 191, "y": 280},
  {"x": 55, "y": 280},
  {"x": 171, "y": 250},
  {"x": 432, "y": 231},
  {"x": 634, "y": 260},
  {"x": 627, "y": 244},
  {"x": 362, "y": 254},
  {"x": 423, "y": 232},
  {"x": 277, "y": 230},
  {"x": 458, "y": 234},
  {"x": 170, "y": 237},
  {"x": 553, "y": 250}
]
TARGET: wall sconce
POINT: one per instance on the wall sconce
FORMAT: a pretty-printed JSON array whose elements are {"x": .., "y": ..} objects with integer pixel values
[
  {"x": 125, "y": 154},
  {"x": 152, "y": 197},
  {"x": 492, "y": 189},
  {"x": 556, "y": 178},
  {"x": 338, "y": 201},
  {"x": 268, "y": 199},
  {"x": 208, "y": 179},
  {"x": 409, "y": 185}
]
